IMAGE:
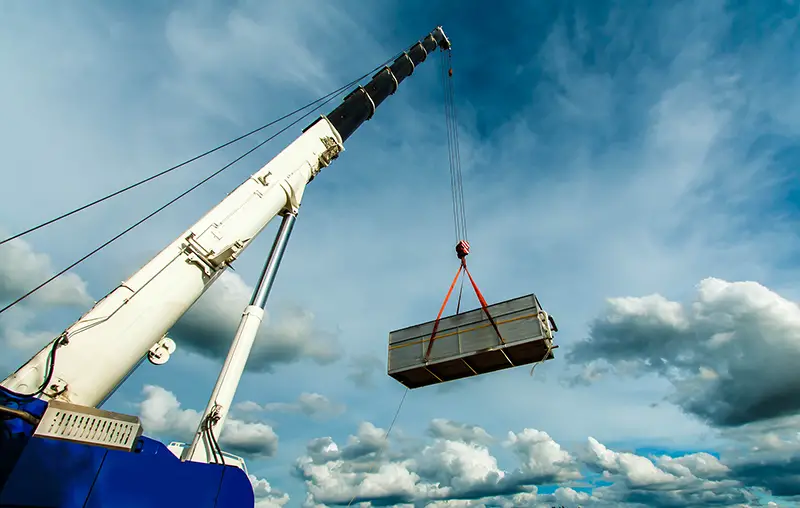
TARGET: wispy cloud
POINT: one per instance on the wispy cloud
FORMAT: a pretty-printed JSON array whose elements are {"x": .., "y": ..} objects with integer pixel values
[{"x": 310, "y": 404}]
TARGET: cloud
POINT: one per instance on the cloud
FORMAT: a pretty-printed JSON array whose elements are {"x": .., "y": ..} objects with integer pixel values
[
  {"x": 363, "y": 369},
  {"x": 210, "y": 325},
  {"x": 367, "y": 469},
  {"x": 731, "y": 355},
  {"x": 637, "y": 151},
  {"x": 455, "y": 431},
  {"x": 455, "y": 473},
  {"x": 22, "y": 268},
  {"x": 690, "y": 480},
  {"x": 310, "y": 404},
  {"x": 162, "y": 415},
  {"x": 266, "y": 496}
]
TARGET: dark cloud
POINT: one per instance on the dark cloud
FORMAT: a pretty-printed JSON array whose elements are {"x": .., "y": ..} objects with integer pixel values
[
  {"x": 363, "y": 369},
  {"x": 731, "y": 355},
  {"x": 209, "y": 326}
]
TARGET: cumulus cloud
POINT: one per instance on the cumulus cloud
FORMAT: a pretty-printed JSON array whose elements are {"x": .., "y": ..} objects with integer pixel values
[
  {"x": 731, "y": 354},
  {"x": 266, "y": 496},
  {"x": 209, "y": 326},
  {"x": 690, "y": 480},
  {"x": 162, "y": 415},
  {"x": 310, "y": 404},
  {"x": 447, "y": 469},
  {"x": 21, "y": 269},
  {"x": 455, "y": 472}
]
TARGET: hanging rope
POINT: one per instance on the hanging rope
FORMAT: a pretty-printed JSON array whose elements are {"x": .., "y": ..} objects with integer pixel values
[
  {"x": 385, "y": 437},
  {"x": 459, "y": 210},
  {"x": 454, "y": 157}
]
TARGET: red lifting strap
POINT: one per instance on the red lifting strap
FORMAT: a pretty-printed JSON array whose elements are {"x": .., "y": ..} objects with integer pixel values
[{"x": 444, "y": 304}]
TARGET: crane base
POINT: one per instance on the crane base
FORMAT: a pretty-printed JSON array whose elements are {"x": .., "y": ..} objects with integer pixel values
[{"x": 64, "y": 474}]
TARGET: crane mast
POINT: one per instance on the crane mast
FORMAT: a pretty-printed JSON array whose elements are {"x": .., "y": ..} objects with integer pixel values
[{"x": 131, "y": 322}]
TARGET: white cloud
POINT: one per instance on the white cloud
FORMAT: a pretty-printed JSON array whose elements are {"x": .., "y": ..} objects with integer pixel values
[
  {"x": 443, "y": 470},
  {"x": 162, "y": 415},
  {"x": 266, "y": 496},
  {"x": 693, "y": 479},
  {"x": 731, "y": 354},
  {"x": 456, "y": 431},
  {"x": 313, "y": 405},
  {"x": 541, "y": 458},
  {"x": 211, "y": 323},
  {"x": 454, "y": 473},
  {"x": 22, "y": 268}
]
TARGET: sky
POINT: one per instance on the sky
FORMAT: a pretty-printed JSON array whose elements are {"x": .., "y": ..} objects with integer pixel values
[{"x": 630, "y": 163}]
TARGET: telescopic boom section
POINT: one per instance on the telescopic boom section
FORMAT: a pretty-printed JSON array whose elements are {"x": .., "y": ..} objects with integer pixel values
[
  {"x": 89, "y": 360},
  {"x": 360, "y": 105}
]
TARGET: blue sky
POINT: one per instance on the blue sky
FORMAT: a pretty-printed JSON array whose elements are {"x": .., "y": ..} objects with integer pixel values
[{"x": 609, "y": 150}]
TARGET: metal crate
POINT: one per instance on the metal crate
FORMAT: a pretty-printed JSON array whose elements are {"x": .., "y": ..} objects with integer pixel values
[{"x": 467, "y": 345}]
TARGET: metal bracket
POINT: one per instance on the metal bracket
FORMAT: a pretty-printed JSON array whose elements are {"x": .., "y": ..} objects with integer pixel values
[
  {"x": 332, "y": 151},
  {"x": 264, "y": 179},
  {"x": 544, "y": 319},
  {"x": 56, "y": 387},
  {"x": 196, "y": 255},
  {"x": 388, "y": 69},
  {"x": 408, "y": 57},
  {"x": 227, "y": 255},
  {"x": 209, "y": 261},
  {"x": 160, "y": 353}
]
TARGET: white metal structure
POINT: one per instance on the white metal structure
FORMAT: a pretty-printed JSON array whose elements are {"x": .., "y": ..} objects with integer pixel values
[
  {"x": 89, "y": 360},
  {"x": 122, "y": 328},
  {"x": 210, "y": 427},
  {"x": 62, "y": 420}
]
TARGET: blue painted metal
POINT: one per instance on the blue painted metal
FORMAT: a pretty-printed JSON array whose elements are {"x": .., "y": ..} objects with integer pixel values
[
  {"x": 36, "y": 471},
  {"x": 63, "y": 474},
  {"x": 14, "y": 433}
]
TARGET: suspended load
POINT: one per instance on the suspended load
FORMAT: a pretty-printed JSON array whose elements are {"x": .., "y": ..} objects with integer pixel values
[
  {"x": 491, "y": 338},
  {"x": 519, "y": 332}
]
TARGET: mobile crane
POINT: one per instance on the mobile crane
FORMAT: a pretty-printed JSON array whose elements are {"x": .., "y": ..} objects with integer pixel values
[{"x": 57, "y": 448}]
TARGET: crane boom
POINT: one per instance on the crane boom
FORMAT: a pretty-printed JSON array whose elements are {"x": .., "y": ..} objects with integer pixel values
[{"x": 86, "y": 363}]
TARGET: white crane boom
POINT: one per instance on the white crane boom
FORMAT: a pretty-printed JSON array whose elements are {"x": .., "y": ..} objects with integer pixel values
[
  {"x": 107, "y": 342},
  {"x": 86, "y": 363}
]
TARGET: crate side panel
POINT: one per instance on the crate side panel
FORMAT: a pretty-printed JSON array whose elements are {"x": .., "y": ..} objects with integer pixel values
[
  {"x": 500, "y": 311},
  {"x": 405, "y": 356},
  {"x": 519, "y": 322},
  {"x": 446, "y": 324},
  {"x": 522, "y": 328},
  {"x": 443, "y": 348}
]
